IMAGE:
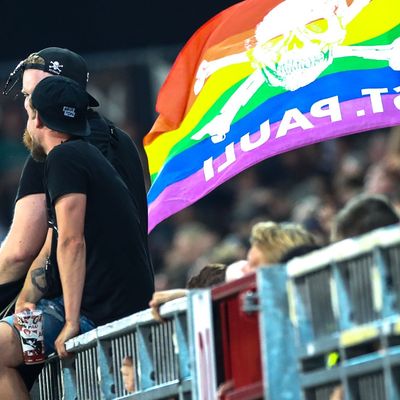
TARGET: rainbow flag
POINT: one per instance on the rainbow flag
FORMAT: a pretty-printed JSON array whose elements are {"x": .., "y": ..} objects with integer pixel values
[{"x": 264, "y": 77}]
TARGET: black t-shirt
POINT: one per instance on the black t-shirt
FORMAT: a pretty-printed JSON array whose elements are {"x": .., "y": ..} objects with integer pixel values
[
  {"x": 119, "y": 278},
  {"x": 117, "y": 147}
]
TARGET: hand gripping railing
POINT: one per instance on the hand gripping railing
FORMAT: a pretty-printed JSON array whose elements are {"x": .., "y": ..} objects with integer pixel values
[{"x": 159, "y": 351}]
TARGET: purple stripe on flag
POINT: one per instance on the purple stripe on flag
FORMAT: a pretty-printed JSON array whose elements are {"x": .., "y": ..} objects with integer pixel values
[{"x": 185, "y": 192}]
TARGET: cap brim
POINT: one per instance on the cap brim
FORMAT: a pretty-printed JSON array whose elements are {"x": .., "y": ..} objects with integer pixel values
[
  {"x": 71, "y": 129},
  {"x": 92, "y": 101}
]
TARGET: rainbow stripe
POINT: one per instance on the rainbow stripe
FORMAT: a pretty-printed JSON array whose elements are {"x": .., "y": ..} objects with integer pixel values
[{"x": 357, "y": 91}]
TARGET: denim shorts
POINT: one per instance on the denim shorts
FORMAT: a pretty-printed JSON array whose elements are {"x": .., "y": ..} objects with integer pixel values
[{"x": 53, "y": 322}]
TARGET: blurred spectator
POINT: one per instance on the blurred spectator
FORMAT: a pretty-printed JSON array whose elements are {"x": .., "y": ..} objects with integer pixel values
[
  {"x": 190, "y": 241},
  {"x": 362, "y": 214},
  {"x": 228, "y": 250},
  {"x": 383, "y": 176},
  {"x": 270, "y": 244},
  {"x": 349, "y": 177},
  {"x": 270, "y": 241}
]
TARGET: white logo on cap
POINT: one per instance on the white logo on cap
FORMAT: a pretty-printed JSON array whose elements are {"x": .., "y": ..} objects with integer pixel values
[
  {"x": 69, "y": 111},
  {"x": 55, "y": 67}
]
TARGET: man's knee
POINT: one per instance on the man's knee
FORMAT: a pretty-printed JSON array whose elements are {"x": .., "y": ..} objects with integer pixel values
[{"x": 10, "y": 347}]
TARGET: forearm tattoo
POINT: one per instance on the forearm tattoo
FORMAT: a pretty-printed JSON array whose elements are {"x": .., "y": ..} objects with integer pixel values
[{"x": 38, "y": 279}]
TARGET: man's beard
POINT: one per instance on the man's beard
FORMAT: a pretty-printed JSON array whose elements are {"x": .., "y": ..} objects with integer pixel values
[
  {"x": 36, "y": 149},
  {"x": 27, "y": 140}
]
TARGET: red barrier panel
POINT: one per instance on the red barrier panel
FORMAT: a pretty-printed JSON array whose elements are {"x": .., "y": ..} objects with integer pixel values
[{"x": 239, "y": 370}]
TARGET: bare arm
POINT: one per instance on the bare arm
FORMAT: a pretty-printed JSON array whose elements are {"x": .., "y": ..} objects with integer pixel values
[
  {"x": 163, "y": 296},
  {"x": 71, "y": 257},
  {"x": 35, "y": 285},
  {"x": 25, "y": 238}
]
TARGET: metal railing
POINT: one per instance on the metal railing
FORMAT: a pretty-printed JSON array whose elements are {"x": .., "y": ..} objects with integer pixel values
[
  {"x": 328, "y": 321},
  {"x": 159, "y": 351},
  {"x": 349, "y": 283},
  {"x": 345, "y": 312}
]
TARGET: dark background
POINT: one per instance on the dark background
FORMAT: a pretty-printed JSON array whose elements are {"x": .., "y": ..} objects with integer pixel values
[{"x": 102, "y": 25}]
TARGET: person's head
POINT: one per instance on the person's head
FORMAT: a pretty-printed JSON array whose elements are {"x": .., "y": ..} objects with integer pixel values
[
  {"x": 270, "y": 241},
  {"x": 362, "y": 214},
  {"x": 210, "y": 275},
  {"x": 51, "y": 61},
  {"x": 56, "y": 110}
]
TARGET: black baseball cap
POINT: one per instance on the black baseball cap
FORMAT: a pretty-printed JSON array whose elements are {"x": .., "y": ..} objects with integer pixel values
[
  {"x": 57, "y": 61},
  {"x": 62, "y": 105}
]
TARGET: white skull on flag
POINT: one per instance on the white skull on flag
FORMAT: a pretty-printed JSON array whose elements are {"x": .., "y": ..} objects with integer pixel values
[{"x": 295, "y": 42}]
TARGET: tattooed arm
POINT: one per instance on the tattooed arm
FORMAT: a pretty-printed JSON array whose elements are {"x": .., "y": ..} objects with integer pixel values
[{"x": 35, "y": 285}]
